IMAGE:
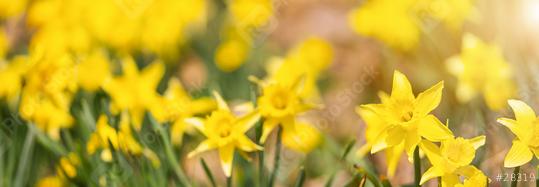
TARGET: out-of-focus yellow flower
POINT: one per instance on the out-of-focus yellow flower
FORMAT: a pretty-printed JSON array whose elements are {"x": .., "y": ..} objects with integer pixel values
[
  {"x": 279, "y": 105},
  {"x": 226, "y": 132},
  {"x": 239, "y": 32},
  {"x": 10, "y": 8},
  {"x": 50, "y": 181},
  {"x": 453, "y": 13},
  {"x": 251, "y": 13},
  {"x": 93, "y": 71},
  {"x": 11, "y": 76},
  {"x": 167, "y": 22},
  {"x": 68, "y": 165},
  {"x": 406, "y": 117},
  {"x": 451, "y": 161},
  {"x": 3, "y": 43},
  {"x": 157, "y": 26},
  {"x": 135, "y": 91},
  {"x": 392, "y": 22},
  {"x": 106, "y": 136},
  {"x": 308, "y": 59},
  {"x": 177, "y": 105},
  {"x": 49, "y": 87},
  {"x": 482, "y": 69},
  {"x": 526, "y": 130},
  {"x": 231, "y": 54}
]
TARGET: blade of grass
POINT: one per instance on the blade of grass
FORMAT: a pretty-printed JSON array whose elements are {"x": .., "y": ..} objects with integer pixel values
[
  {"x": 330, "y": 180},
  {"x": 516, "y": 172},
  {"x": 170, "y": 153},
  {"x": 277, "y": 159},
  {"x": 417, "y": 167},
  {"x": 258, "y": 135},
  {"x": 208, "y": 172},
  {"x": 355, "y": 181},
  {"x": 347, "y": 149},
  {"x": 25, "y": 159},
  {"x": 301, "y": 178}
]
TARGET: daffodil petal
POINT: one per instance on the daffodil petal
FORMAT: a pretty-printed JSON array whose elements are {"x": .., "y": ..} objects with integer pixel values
[
  {"x": 401, "y": 90},
  {"x": 429, "y": 99},
  {"x": 267, "y": 127},
  {"x": 432, "y": 152},
  {"x": 477, "y": 141},
  {"x": 518, "y": 155},
  {"x": 226, "y": 154},
  {"x": 176, "y": 132},
  {"x": 202, "y": 147},
  {"x": 221, "y": 103},
  {"x": 393, "y": 156},
  {"x": 432, "y": 172},
  {"x": 411, "y": 142},
  {"x": 198, "y": 123},
  {"x": 300, "y": 136},
  {"x": 432, "y": 129},
  {"x": 395, "y": 135},
  {"x": 450, "y": 180},
  {"x": 245, "y": 144},
  {"x": 153, "y": 73},
  {"x": 249, "y": 120},
  {"x": 523, "y": 112},
  {"x": 129, "y": 67},
  {"x": 521, "y": 130}
]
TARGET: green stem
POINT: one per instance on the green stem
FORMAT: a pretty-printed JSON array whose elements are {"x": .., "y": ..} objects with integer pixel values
[
  {"x": 537, "y": 178},
  {"x": 26, "y": 153},
  {"x": 229, "y": 181},
  {"x": 515, "y": 173},
  {"x": 277, "y": 160},
  {"x": 301, "y": 178},
  {"x": 170, "y": 153},
  {"x": 417, "y": 167},
  {"x": 208, "y": 172}
]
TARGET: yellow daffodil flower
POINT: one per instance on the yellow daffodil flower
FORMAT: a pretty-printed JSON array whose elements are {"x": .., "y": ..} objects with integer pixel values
[
  {"x": 93, "y": 71},
  {"x": 50, "y": 181},
  {"x": 392, "y": 22},
  {"x": 11, "y": 76},
  {"x": 49, "y": 88},
  {"x": 482, "y": 69},
  {"x": 177, "y": 105},
  {"x": 3, "y": 43},
  {"x": 226, "y": 132},
  {"x": 135, "y": 91},
  {"x": 11, "y": 8},
  {"x": 308, "y": 59},
  {"x": 280, "y": 104},
  {"x": 68, "y": 166},
  {"x": 526, "y": 130},
  {"x": 251, "y": 13},
  {"x": 106, "y": 136},
  {"x": 231, "y": 54},
  {"x": 157, "y": 27},
  {"x": 451, "y": 161},
  {"x": 405, "y": 117},
  {"x": 65, "y": 170},
  {"x": 452, "y": 13}
]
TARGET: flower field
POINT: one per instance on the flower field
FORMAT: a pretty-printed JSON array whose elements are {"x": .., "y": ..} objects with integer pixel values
[{"x": 268, "y": 93}]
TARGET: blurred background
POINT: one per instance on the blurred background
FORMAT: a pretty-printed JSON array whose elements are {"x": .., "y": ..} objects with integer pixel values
[{"x": 216, "y": 44}]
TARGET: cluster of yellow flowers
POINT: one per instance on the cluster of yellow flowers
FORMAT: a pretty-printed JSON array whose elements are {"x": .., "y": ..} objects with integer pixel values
[
  {"x": 402, "y": 122},
  {"x": 283, "y": 99},
  {"x": 400, "y": 24}
]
